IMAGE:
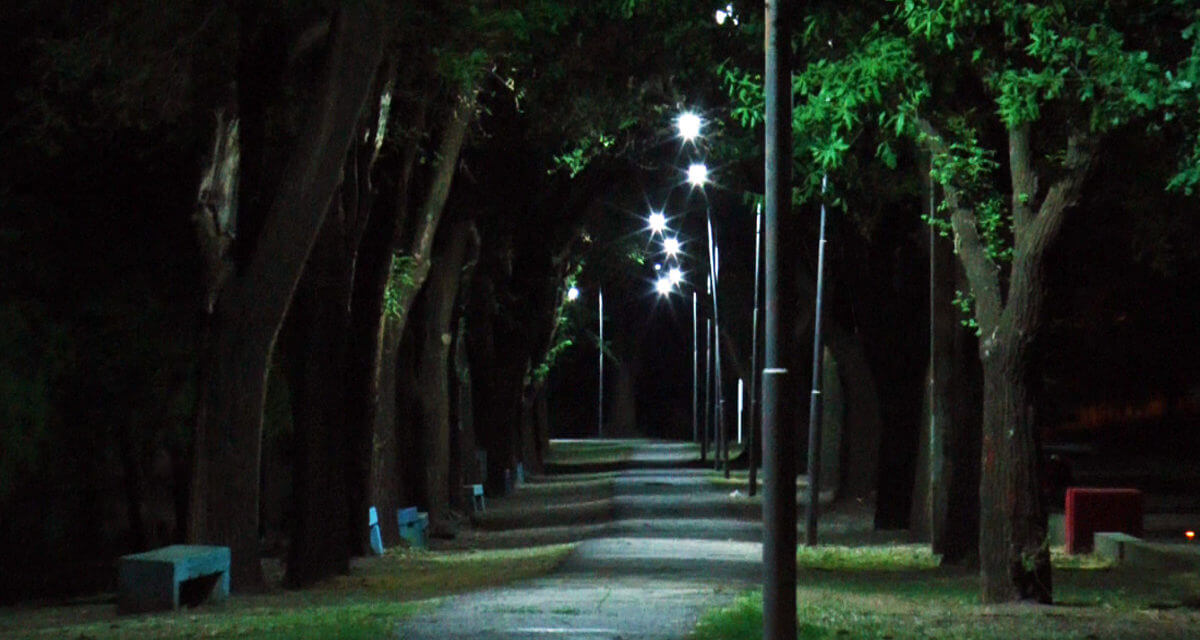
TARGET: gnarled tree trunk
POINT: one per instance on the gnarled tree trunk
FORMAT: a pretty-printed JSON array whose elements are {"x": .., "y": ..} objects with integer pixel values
[
  {"x": 432, "y": 374},
  {"x": 250, "y": 306},
  {"x": 1013, "y": 548}
]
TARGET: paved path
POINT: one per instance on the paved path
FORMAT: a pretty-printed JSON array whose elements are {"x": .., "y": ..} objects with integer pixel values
[
  {"x": 661, "y": 553},
  {"x": 609, "y": 588}
]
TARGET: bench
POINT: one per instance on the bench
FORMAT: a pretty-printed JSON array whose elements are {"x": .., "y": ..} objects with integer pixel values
[
  {"x": 155, "y": 580},
  {"x": 474, "y": 493},
  {"x": 1089, "y": 510},
  {"x": 376, "y": 536},
  {"x": 413, "y": 525}
]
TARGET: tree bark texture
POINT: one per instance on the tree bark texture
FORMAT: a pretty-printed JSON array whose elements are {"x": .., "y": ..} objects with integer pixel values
[
  {"x": 322, "y": 533},
  {"x": 1013, "y": 547},
  {"x": 956, "y": 411},
  {"x": 432, "y": 373},
  {"x": 251, "y": 305}
]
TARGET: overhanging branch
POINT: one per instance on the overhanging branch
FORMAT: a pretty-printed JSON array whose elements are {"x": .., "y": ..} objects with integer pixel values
[{"x": 982, "y": 272}]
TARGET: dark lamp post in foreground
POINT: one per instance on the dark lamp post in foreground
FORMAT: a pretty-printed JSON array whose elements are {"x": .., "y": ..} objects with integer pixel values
[{"x": 779, "y": 451}]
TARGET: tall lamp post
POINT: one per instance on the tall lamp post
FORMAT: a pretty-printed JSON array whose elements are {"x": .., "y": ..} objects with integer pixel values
[
  {"x": 751, "y": 450},
  {"x": 814, "y": 407},
  {"x": 600, "y": 349},
  {"x": 697, "y": 176},
  {"x": 779, "y": 454}
]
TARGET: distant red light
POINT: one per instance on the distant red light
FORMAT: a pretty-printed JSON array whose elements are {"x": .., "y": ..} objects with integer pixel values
[{"x": 1190, "y": 535}]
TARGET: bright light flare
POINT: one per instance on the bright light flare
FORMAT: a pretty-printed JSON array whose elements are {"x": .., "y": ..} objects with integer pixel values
[
  {"x": 671, "y": 246},
  {"x": 573, "y": 294},
  {"x": 658, "y": 222},
  {"x": 688, "y": 125},
  {"x": 1190, "y": 535},
  {"x": 675, "y": 276},
  {"x": 726, "y": 14},
  {"x": 697, "y": 174},
  {"x": 663, "y": 286}
]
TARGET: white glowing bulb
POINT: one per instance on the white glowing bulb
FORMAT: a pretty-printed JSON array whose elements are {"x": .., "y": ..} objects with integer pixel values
[
  {"x": 688, "y": 124},
  {"x": 573, "y": 293},
  {"x": 663, "y": 286},
  {"x": 658, "y": 222},
  {"x": 675, "y": 275},
  {"x": 671, "y": 246},
  {"x": 721, "y": 15},
  {"x": 697, "y": 174}
]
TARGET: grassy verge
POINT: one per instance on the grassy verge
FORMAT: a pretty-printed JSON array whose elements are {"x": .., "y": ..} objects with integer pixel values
[
  {"x": 368, "y": 603},
  {"x": 740, "y": 479},
  {"x": 898, "y": 593}
]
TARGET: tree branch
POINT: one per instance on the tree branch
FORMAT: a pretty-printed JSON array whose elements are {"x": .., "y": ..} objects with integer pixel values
[
  {"x": 1030, "y": 247},
  {"x": 982, "y": 272},
  {"x": 1024, "y": 179}
]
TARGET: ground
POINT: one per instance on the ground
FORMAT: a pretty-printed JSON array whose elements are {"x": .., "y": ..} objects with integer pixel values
[{"x": 652, "y": 546}]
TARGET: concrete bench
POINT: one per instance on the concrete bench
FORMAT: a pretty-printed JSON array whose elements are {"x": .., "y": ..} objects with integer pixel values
[
  {"x": 474, "y": 493},
  {"x": 155, "y": 579},
  {"x": 376, "y": 536},
  {"x": 413, "y": 526},
  {"x": 1089, "y": 510}
]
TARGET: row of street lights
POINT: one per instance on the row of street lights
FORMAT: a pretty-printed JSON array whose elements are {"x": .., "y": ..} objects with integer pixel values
[{"x": 667, "y": 281}]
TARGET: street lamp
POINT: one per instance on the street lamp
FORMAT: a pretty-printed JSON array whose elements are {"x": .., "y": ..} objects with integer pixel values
[
  {"x": 573, "y": 294},
  {"x": 697, "y": 174},
  {"x": 671, "y": 246},
  {"x": 658, "y": 222},
  {"x": 675, "y": 276},
  {"x": 663, "y": 285},
  {"x": 688, "y": 124}
]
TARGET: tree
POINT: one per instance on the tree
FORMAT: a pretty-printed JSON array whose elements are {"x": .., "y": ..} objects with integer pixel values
[
  {"x": 1041, "y": 86},
  {"x": 255, "y": 275}
]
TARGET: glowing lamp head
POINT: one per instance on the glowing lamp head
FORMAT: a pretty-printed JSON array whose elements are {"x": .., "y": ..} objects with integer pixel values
[
  {"x": 573, "y": 294},
  {"x": 658, "y": 222},
  {"x": 671, "y": 246},
  {"x": 675, "y": 276},
  {"x": 663, "y": 286},
  {"x": 1190, "y": 535},
  {"x": 697, "y": 174},
  {"x": 688, "y": 125}
]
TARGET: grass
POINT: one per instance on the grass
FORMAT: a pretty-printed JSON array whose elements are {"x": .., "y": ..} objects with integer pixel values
[
  {"x": 368, "y": 603},
  {"x": 741, "y": 480},
  {"x": 905, "y": 557},
  {"x": 597, "y": 454},
  {"x": 352, "y": 620},
  {"x": 896, "y": 592}
]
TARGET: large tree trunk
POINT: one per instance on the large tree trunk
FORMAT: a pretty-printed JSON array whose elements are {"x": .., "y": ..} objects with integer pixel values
[
  {"x": 862, "y": 431},
  {"x": 320, "y": 536},
  {"x": 250, "y": 307},
  {"x": 497, "y": 369},
  {"x": 385, "y": 487},
  {"x": 432, "y": 373},
  {"x": 373, "y": 343},
  {"x": 1014, "y": 552},
  {"x": 956, "y": 411}
]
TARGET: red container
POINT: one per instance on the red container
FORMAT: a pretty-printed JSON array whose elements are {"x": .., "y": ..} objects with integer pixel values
[{"x": 1094, "y": 509}]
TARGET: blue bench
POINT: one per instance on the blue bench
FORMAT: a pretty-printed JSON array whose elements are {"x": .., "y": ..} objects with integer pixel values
[
  {"x": 376, "y": 537},
  {"x": 153, "y": 580},
  {"x": 413, "y": 525},
  {"x": 475, "y": 497}
]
